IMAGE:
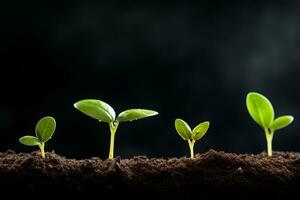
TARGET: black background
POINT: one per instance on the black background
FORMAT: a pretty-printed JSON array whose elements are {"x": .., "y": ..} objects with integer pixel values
[{"x": 196, "y": 61}]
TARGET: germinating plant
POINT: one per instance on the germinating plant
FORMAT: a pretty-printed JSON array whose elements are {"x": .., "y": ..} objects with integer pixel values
[
  {"x": 103, "y": 112},
  {"x": 262, "y": 112},
  {"x": 44, "y": 130},
  {"x": 191, "y": 136}
]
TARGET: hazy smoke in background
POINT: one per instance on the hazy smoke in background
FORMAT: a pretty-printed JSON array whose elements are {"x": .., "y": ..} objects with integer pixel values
[{"x": 195, "y": 61}]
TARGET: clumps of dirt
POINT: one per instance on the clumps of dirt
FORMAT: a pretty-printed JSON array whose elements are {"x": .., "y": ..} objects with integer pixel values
[{"x": 208, "y": 176}]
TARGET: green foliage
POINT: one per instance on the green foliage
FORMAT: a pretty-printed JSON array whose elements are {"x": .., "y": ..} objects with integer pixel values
[
  {"x": 186, "y": 133},
  {"x": 281, "y": 122},
  {"x": 29, "y": 140},
  {"x": 200, "y": 130},
  {"x": 262, "y": 112},
  {"x": 44, "y": 130},
  {"x": 183, "y": 129},
  {"x": 135, "y": 114},
  {"x": 191, "y": 136},
  {"x": 260, "y": 109},
  {"x": 96, "y": 109},
  {"x": 103, "y": 112}
]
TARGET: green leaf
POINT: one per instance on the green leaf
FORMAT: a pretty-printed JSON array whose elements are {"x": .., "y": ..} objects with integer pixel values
[
  {"x": 29, "y": 141},
  {"x": 45, "y": 129},
  {"x": 260, "y": 109},
  {"x": 96, "y": 109},
  {"x": 282, "y": 122},
  {"x": 200, "y": 130},
  {"x": 135, "y": 114},
  {"x": 183, "y": 129}
]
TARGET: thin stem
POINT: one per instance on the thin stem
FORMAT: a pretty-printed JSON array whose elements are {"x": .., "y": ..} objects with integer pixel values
[
  {"x": 269, "y": 137},
  {"x": 191, "y": 145},
  {"x": 113, "y": 128},
  {"x": 42, "y": 148}
]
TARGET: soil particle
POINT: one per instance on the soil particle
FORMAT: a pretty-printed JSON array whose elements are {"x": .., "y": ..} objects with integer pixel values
[{"x": 208, "y": 176}]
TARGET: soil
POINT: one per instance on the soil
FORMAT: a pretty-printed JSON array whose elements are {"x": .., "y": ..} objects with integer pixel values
[{"x": 208, "y": 176}]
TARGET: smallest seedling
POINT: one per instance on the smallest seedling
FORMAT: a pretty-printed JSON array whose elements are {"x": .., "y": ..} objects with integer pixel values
[
  {"x": 191, "y": 136},
  {"x": 44, "y": 130}
]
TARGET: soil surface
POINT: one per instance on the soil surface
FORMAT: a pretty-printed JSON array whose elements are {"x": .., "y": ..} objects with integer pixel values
[{"x": 208, "y": 176}]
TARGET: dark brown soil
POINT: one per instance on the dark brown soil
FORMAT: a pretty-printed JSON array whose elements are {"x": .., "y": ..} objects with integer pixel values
[{"x": 210, "y": 175}]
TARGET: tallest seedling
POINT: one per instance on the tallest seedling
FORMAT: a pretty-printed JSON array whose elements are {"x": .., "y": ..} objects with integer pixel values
[
  {"x": 103, "y": 112},
  {"x": 261, "y": 111}
]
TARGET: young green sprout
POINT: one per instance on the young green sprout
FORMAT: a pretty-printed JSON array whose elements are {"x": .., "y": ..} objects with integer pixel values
[
  {"x": 261, "y": 111},
  {"x": 44, "y": 130},
  {"x": 103, "y": 112},
  {"x": 191, "y": 136}
]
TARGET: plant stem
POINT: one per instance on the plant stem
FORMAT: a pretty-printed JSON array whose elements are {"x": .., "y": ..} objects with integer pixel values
[
  {"x": 191, "y": 145},
  {"x": 113, "y": 128},
  {"x": 42, "y": 147},
  {"x": 269, "y": 137}
]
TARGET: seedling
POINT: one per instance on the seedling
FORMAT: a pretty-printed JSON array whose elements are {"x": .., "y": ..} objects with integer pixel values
[
  {"x": 103, "y": 112},
  {"x": 44, "y": 130},
  {"x": 262, "y": 112},
  {"x": 191, "y": 136}
]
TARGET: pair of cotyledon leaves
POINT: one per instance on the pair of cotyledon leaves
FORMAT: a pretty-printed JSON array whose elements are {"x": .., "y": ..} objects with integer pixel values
[
  {"x": 103, "y": 112},
  {"x": 44, "y": 130},
  {"x": 262, "y": 112},
  {"x": 186, "y": 133}
]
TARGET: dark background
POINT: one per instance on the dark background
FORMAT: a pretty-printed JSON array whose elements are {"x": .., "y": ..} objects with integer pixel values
[{"x": 196, "y": 61}]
